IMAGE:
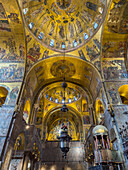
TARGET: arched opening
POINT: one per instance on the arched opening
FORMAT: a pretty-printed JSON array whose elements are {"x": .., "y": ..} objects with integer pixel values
[
  {"x": 99, "y": 110},
  {"x": 57, "y": 119},
  {"x": 50, "y": 100},
  {"x": 3, "y": 95},
  {"x": 51, "y": 70},
  {"x": 46, "y": 93},
  {"x": 123, "y": 92}
]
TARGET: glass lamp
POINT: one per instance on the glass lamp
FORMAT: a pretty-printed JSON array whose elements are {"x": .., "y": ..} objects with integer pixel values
[{"x": 64, "y": 139}]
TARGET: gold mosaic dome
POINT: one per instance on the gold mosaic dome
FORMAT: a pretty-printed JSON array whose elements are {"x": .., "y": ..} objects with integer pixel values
[
  {"x": 63, "y": 25},
  {"x": 56, "y": 94},
  {"x": 99, "y": 130}
]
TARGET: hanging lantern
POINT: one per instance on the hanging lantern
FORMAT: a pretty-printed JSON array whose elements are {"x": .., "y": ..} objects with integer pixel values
[{"x": 64, "y": 139}]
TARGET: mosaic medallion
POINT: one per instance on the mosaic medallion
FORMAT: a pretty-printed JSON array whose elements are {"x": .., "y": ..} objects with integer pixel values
[{"x": 63, "y": 67}]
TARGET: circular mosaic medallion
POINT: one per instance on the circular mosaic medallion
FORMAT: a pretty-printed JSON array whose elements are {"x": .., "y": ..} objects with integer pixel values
[
  {"x": 64, "y": 25},
  {"x": 63, "y": 67}
]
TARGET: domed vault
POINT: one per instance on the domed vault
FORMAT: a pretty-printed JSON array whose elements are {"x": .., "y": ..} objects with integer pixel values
[{"x": 63, "y": 24}]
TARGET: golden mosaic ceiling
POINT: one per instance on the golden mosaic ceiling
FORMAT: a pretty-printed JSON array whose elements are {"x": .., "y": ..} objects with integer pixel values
[
  {"x": 84, "y": 75},
  {"x": 63, "y": 24}
]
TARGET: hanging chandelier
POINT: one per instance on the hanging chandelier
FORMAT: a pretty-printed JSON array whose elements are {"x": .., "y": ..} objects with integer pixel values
[
  {"x": 64, "y": 108},
  {"x": 64, "y": 137}
]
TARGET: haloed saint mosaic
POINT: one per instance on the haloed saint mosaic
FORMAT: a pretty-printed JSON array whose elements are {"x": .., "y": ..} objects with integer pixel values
[{"x": 63, "y": 24}]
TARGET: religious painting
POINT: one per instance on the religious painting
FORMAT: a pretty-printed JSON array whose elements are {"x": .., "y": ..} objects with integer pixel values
[
  {"x": 20, "y": 140},
  {"x": 39, "y": 118},
  {"x": 14, "y": 18},
  {"x": 11, "y": 72},
  {"x": 113, "y": 95},
  {"x": 113, "y": 63},
  {"x": 10, "y": 51},
  {"x": 94, "y": 49},
  {"x": 114, "y": 49},
  {"x": 34, "y": 52},
  {"x": 115, "y": 23},
  {"x": 4, "y": 26},
  {"x": 86, "y": 119},
  {"x": 12, "y": 93},
  {"x": 114, "y": 69}
]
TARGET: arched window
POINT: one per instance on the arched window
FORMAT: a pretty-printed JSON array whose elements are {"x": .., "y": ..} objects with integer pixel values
[
  {"x": 3, "y": 95},
  {"x": 26, "y": 112},
  {"x": 123, "y": 92},
  {"x": 99, "y": 110}
]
